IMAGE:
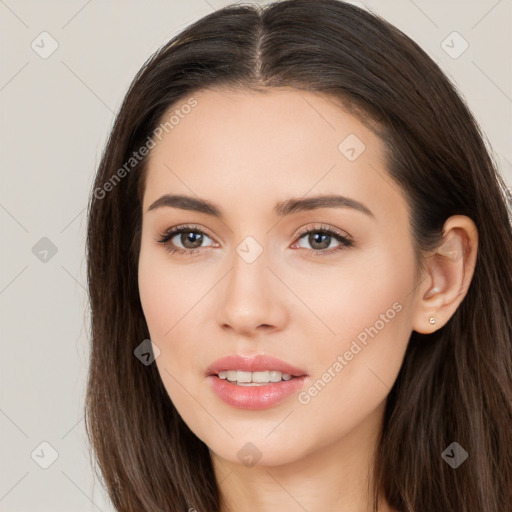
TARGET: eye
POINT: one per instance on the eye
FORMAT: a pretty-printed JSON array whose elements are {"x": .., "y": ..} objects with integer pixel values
[
  {"x": 190, "y": 238},
  {"x": 320, "y": 239}
]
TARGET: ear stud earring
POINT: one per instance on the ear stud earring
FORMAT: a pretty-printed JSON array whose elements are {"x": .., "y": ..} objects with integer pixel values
[{"x": 432, "y": 320}]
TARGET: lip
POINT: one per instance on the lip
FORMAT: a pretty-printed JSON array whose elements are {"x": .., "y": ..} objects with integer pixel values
[
  {"x": 258, "y": 363},
  {"x": 257, "y": 397}
]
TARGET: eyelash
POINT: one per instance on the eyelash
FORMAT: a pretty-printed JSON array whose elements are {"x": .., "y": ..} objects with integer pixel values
[{"x": 165, "y": 238}]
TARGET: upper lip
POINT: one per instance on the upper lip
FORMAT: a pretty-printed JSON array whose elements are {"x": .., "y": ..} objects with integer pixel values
[{"x": 254, "y": 363}]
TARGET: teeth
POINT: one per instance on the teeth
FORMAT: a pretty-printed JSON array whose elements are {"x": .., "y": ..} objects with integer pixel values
[
  {"x": 243, "y": 378},
  {"x": 275, "y": 376}
]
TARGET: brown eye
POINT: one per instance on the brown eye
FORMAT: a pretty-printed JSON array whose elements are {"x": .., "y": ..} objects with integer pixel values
[
  {"x": 193, "y": 238},
  {"x": 320, "y": 240},
  {"x": 183, "y": 239}
]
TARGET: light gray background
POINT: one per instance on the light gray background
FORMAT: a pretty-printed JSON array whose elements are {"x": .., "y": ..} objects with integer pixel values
[{"x": 55, "y": 116}]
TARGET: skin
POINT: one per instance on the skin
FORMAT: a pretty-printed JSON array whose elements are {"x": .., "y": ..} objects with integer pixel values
[{"x": 246, "y": 151}]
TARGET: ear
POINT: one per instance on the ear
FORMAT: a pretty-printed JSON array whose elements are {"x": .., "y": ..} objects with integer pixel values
[{"x": 448, "y": 275}]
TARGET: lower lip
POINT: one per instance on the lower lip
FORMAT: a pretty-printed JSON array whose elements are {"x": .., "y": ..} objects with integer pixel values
[{"x": 255, "y": 397}]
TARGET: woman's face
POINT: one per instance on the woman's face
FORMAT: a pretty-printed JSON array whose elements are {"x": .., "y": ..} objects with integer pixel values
[{"x": 262, "y": 277}]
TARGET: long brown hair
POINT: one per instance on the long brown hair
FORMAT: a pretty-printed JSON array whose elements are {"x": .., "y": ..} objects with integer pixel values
[{"x": 455, "y": 385}]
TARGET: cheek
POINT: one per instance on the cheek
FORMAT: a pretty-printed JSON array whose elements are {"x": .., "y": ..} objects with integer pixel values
[
  {"x": 172, "y": 298},
  {"x": 353, "y": 372},
  {"x": 355, "y": 297},
  {"x": 155, "y": 299},
  {"x": 356, "y": 370},
  {"x": 168, "y": 293},
  {"x": 167, "y": 299},
  {"x": 367, "y": 315}
]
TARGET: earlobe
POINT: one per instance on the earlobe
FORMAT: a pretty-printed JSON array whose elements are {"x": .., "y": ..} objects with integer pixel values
[{"x": 448, "y": 275}]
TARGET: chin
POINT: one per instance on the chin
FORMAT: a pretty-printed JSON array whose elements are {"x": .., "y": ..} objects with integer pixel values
[{"x": 249, "y": 451}]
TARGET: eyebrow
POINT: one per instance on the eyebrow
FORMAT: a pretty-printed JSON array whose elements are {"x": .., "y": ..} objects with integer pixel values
[{"x": 281, "y": 209}]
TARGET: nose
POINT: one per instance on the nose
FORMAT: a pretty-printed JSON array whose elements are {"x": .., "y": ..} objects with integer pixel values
[{"x": 252, "y": 298}]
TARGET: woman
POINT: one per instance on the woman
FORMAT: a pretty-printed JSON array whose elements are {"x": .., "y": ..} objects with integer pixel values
[{"x": 299, "y": 272}]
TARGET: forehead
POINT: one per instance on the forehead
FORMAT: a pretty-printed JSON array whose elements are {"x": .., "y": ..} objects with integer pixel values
[
  {"x": 274, "y": 122},
  {"x": 245, "y": 146}
]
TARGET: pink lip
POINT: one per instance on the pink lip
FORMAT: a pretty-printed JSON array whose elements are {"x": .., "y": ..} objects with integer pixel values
[{"x": 257, "y": 397}]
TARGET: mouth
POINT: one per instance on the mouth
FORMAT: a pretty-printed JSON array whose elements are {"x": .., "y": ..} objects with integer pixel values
[
  {"x": 254, "y": 382},
  {"x": 257, "y": 383}
]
